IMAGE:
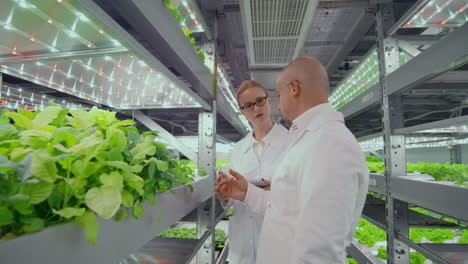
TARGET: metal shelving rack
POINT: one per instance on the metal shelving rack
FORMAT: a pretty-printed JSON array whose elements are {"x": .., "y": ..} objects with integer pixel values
[
  {"x": 392, "y": 214},
  {"x": 117, "y": 240}
]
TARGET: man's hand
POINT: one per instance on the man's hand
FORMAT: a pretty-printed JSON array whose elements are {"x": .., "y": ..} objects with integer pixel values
[
  {"x": 235, "y": 188},
  {"x": 221, "y": 196}
]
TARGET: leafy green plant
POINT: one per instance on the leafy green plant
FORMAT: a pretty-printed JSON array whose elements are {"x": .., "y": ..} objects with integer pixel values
[
  {"x": 201, "y": 54},
  {"x": 60, "y": 165},
  {"x": 432, "y": 234},
  {"x": 352, "y": 261},
  {"x": 464, "y": 237},
  {"x": 229, "y": 212},
  {"x": 368, "y": 234},
  {"x": 191, "y": 233},
  {"x": 441, "y": 172},
  {"x": 188, "y": 33},
  {"x": 175, "y": 13},
  {"x": 382, "y": 252},
  {"x": 415, "y": 257}
]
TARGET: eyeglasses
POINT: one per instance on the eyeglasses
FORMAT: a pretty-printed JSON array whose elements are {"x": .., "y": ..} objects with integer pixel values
[{"x": 259, "y": 102}]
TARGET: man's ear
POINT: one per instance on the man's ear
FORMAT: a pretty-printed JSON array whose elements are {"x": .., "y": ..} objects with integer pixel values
[{"x": 296, "y": 89}]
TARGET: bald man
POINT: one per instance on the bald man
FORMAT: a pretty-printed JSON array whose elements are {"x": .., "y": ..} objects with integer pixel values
[{"x": 318, "y": 192}]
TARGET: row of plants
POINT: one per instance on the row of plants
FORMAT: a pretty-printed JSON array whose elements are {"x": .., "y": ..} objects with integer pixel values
[
  {"x": 188, "y": 34},
  {"x": 369, "y": 235},
  {"x": 60, "y": 165},
  {"x": 440, "y": 172},
  {"x": 220, "y": 235}
]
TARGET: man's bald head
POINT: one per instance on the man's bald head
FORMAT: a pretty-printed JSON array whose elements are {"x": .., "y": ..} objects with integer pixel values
[
  {"x": 302, "y": 85},
  {"x": 309, "y": 71}
]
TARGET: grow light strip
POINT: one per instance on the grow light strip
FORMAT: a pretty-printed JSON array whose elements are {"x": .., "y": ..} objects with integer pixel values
[
  {"x": 439, "y": 13},
  {"x": 363, "y": 77},
  {"x": 89, "y": 22},
  {"x": 57, "y": 24},
  {"x": 18, "y": 98}
]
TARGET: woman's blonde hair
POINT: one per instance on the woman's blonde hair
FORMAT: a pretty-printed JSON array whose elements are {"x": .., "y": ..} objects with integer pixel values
[{"x": 247, "y": 85}]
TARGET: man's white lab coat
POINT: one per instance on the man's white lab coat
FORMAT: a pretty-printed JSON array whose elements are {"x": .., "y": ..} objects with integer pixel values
[
  {"x": 244, "y": 225},
  {"x": 317, "y": 194}
]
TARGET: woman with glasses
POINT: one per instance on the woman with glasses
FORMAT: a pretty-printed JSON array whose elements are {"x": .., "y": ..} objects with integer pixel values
[{"x": 255, "y": 156}]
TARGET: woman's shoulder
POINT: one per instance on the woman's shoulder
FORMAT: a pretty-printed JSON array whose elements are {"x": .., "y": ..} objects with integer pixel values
[{"x": 244, "y": 143}]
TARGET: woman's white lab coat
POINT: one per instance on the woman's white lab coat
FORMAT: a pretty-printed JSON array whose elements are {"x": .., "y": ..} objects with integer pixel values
[{"x": 245, "y": 225}]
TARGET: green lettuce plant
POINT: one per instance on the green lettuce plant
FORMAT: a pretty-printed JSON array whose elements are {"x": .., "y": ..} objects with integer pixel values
[{"x": 60, "y": 165}]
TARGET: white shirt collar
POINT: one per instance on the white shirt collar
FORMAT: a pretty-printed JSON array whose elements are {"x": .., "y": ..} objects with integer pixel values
[
  {"x": 266, "y": 140},
  {"x": 312, "y": 118}
]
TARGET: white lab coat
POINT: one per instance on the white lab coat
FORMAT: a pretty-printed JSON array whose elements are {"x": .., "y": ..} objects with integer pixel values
[
  {"x": 317, "y": 194},
  {"x": 244, "y": 225}
]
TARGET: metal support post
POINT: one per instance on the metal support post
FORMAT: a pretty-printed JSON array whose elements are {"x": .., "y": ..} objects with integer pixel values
[
  {"x": 207, "y": 161},
  {"x": 456, "y": 154},
  {"x": 394, "y": 146}
]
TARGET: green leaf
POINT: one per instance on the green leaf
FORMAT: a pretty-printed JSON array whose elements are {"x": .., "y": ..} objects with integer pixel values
[
  {"x": 41, "y": 134},
  {"x": 121, "y": 215},
  {"x": 137, "y": 210},
  {"x": 87, "y": 143},
  {"x": 69, "y": 212},
  {"x": 136, "y": 168},
  {"x": 66, "y": 136},
  {"x": 46, "y": 116},
  {"x": 105, "y": 200},
  {"x": 151, "y": 198},
  {"x": 56, "y": 197},
  {"x": 103, "y": 118},
  {"x": 27, "y": 113},
  {"x": 90, "y": 224},
  {"x": 61, "y": 119},
  {"x": 21, "y": 204},
  {"x": 190, "y": 187},
  {"x": 115, "y": 155},
  {"x": 76, "y": 184},
  {"x": 114, "y": 179},
  {"x": 127, "y": 198},
  {"x": 34, "y": 142},
  {"x": 85, "y": 170},
  {"x": 6, "y": 217},
  {"x": 151, "y": 169},
  {"x": 82, "y": 119},
  {"x": 121, "y": 124},
  {"x": 32, "y": 224},
  {"x": 37, "y": 192},
  {"x": 4, "y": 117},
  {"x": 118, "y": 140},
  {"x": 20, "y": 120},
  {"x": 7, "y": 131},
  {"x": 144, "y": 148},
  {"x": 162, "y": 165},
  {"x": 135, "y": 182},
  {"x": 18, "y": 154},
  {"x": 119, "y": 165},
  {"x": 43, "y": 166}
]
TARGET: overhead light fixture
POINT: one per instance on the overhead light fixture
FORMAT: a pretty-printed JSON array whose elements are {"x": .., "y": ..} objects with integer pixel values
[{"x": 439, "y": 13}]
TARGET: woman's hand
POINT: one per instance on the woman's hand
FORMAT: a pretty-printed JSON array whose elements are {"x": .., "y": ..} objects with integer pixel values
[{"x": 268, "y": 183}]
